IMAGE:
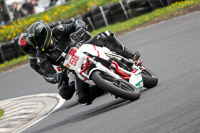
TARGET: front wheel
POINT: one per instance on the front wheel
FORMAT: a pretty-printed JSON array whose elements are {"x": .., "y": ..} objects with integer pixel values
[
  {"x": 149, "y": 79},
  {"x": 120, "y": 88}
]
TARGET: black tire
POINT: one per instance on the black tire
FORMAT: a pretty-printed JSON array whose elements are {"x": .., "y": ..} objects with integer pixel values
[
  {"x": 138, "y": 4},
  {"x": 149, "y": 79},
  {"x": 139, "y": 11},
  {"x": 119, "y": 18},
  {"x": 8, "y": 51},
  {"x": 103, "y": 81},
  {"x": 95, "y": 10},
  {"x": 115, "y": 6},
  {"x": 99, "y": 16},
  {"x": 155, "y": 4},
  {"x": 169, "y": 2},
  {"x": 107, "y": 7},
  {"x": 99, "y": 24},
  {"x": 116, "y": 11}
]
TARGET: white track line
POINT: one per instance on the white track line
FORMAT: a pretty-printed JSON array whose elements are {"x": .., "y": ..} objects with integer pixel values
[{"x": 60, "y": 102}]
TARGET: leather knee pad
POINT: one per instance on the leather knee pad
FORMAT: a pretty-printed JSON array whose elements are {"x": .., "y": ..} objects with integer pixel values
[{"x": 65, "y": 91}]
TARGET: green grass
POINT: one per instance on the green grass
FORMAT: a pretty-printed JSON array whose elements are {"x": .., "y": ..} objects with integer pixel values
[
  {"x": 1, "y": 112},
  {"x": 14, "y": 61},
  {"x": 160, "y": 14}
]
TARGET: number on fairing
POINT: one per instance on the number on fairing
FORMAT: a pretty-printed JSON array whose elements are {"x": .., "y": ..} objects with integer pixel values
[{"x": 74, "y": 60}]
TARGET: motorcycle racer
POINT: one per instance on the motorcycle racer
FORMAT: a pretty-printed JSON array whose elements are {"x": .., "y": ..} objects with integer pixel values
[{"x": 50, "y": 43}]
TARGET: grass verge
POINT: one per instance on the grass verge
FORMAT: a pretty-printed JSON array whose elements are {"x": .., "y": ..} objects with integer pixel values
[
  {"x": 13, "y": 63},
  {"x": 174, "y": 10},
  {"x": 1, "y": 112}
]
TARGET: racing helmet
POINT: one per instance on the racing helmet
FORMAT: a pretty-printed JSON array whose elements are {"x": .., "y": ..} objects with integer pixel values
[
  {"x": 39, "y": 34},
  {"x": 24, "y": 45}
]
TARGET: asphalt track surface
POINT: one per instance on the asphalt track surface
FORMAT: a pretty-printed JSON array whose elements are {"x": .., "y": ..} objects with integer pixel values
[{"x": 170, "y": 49}]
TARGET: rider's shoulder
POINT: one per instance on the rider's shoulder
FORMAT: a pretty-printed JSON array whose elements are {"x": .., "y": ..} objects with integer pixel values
[{"x": 59, "y": 27}]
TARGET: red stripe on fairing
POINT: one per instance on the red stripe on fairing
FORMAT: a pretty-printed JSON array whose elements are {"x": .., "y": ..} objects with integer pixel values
[
  {"x": 96, "y": 50},
  {"x": 134, "y": 71},
  {"x": 59, "y": 69},
  {"x": 73, "y": 51},
  {"x": 94, "y": 47},
  {"x": 84, "y": 79},
  {"x": 84, "y": 69}
]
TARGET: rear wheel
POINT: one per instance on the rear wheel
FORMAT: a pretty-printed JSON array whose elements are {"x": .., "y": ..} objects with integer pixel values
[{"x": 119, "y": 88}]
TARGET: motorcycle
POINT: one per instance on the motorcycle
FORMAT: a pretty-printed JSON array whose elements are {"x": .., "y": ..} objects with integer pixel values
[{"x": 109, "y": 71}]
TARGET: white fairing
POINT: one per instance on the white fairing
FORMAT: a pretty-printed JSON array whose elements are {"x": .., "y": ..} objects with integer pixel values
[
  {"x": 77, "y": 57},
  {"x": 95, "y": 50},
  {"x": 136, "y": 80}
]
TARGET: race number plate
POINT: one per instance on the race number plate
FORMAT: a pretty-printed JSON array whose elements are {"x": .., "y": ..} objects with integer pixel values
[{"x": 71, "y": 58}]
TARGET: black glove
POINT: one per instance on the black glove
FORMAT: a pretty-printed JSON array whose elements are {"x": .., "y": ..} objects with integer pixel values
[
  {"x": 86, "y": 36},
  {"x": 81, "y": 35},
  {"x": 136, "y": 55},
  {"x": 53, "y": 77}
]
